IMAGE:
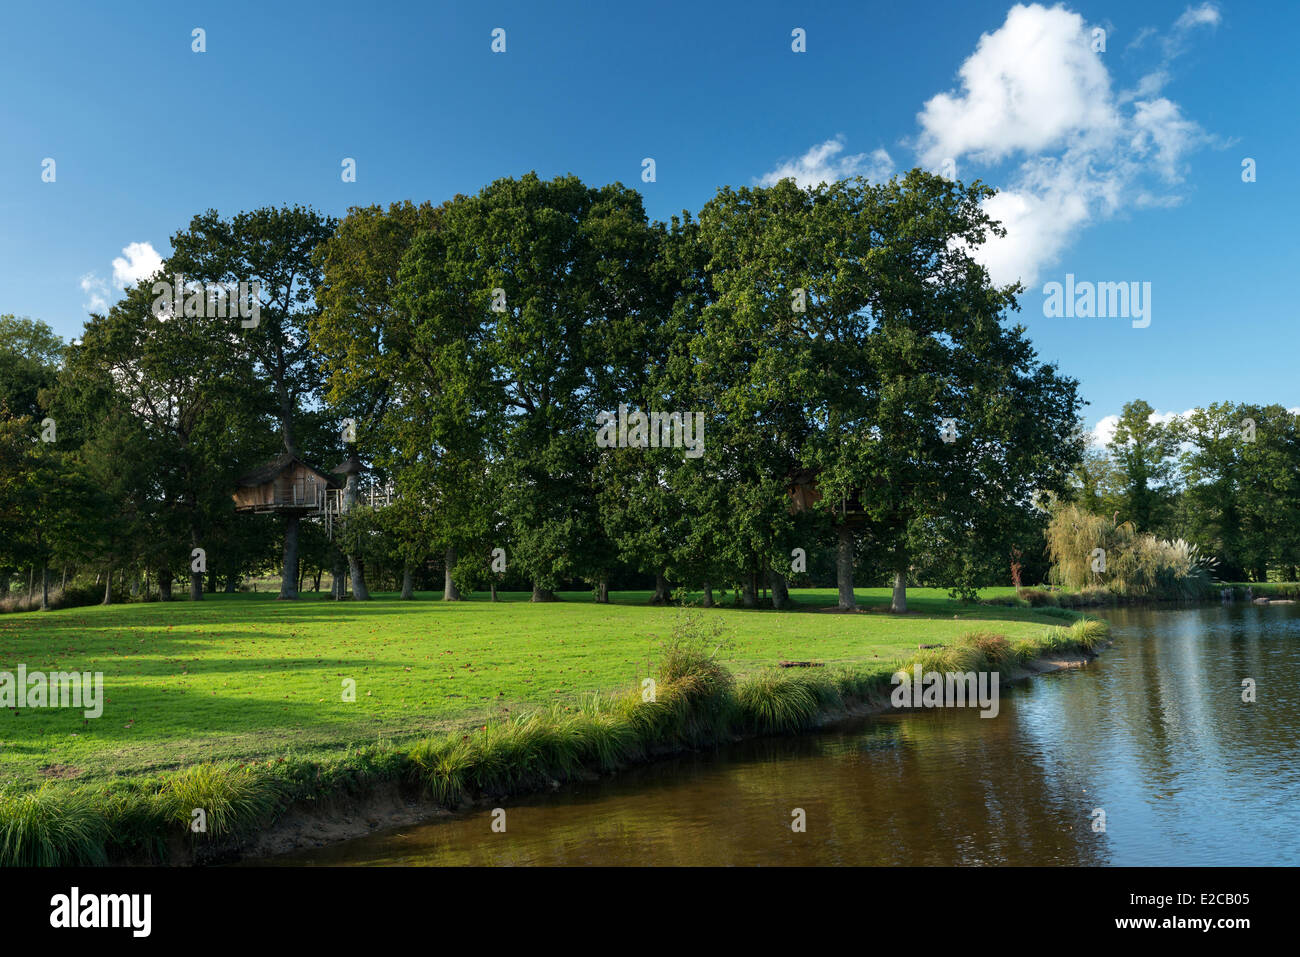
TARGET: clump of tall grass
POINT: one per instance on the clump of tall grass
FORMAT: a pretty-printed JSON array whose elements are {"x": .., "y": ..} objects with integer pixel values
[
  {"x": 994, "y": 649},
  {"x": 525, "y": 751},
  {"x": 444, "y": 764},
  {"x": 606, "y": 741},
  {"x": 776, "y": 702},
  {"x": 1088, "y": 633},
  {"x": 50, "y": 828},
  {"x": 233, "y": 799},
  {"x": 961, "y": 655},
  {"x": 694, "y": 692}
]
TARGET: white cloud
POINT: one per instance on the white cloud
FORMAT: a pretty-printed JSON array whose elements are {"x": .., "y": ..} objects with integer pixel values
[
  {"x": 96, "y": 291},
  {"x": 1207, "y": 14},
  {"x": 139, "y": 261},
  {"x": 1034, "y": 92},
  {"x": 1029, "y": 86},
  {"x": 1159, "y": 126},
  {"x": 1172, "y": 44},
  {"x": 1104, "y": 430},
  {"x": 824, "y": 164}
]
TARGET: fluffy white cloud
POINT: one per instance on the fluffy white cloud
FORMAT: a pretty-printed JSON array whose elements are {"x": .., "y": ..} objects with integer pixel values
[
  {"x": 1035, "y": 92},
  {"x": 139, "y": 261},
  {"x": 1029, "y": 86},
  {"x": 824, "y": 164}
]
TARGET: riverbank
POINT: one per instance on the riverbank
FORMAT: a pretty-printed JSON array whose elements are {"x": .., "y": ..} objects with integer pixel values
[
  {"x": 1042, "y": 596},
  {"x": 214, "y": 813},
  {"x": 304, "y": 827}
]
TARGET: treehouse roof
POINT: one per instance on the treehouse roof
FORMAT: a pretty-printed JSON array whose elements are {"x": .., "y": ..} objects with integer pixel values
[{"x": 286, "y": 461}]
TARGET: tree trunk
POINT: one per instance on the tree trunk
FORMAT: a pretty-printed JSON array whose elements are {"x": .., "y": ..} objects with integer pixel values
[
  {"x": 660, "y": 597},
  {"x": 602, "y": 592},
  {"x": 493, "y": 589},
  {"x": 45, "y": 586},
  {"x": 708, "y": 595},
  {"x": 232, "y": 583},
  {"x": 315, "y": 584},
  {"x": 748, "y": 598},
  {"x": 108, "y": 587},
  {"x": 542, "y": 594},
  {"x": 408, "y": 582},
  {"x": 780, "y": 594},
  {"x": 164, "y": 585},
  {"x": 1289, "y": 573},
  {"x": 844, "y": 562},
  {"x": 289, "y": 570},
  {"x": 358, "y": 576},
  {"x": 355, "y": 571},
  {"x": 449, "y": 590},
  {"x": 340, "y": 571},
  {"x": 898, "y": 601}
]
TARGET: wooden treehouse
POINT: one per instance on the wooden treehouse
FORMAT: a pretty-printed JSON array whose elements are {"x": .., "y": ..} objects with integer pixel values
[
  {"x": 287, "y": 485},
  {"x": 804, "y": 494}
]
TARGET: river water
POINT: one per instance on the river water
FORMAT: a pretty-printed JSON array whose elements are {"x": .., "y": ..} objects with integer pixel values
[{"x": 1154, "y": 733}]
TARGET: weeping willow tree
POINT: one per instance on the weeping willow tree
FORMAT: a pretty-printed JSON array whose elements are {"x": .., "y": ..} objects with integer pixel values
[{"x": 1091, "y": 551}]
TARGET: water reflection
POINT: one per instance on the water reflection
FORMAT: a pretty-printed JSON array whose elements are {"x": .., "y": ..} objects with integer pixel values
[{"x": 1154, "y": 733}]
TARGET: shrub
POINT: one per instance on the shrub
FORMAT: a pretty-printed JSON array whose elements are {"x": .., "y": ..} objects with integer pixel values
[
  {"x": 1037, "y": 597},
  {"x": 1137, "y": 564}
]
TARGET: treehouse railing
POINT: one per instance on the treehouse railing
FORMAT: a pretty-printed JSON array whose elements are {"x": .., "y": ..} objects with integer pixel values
[{"x": 331, "y": 508}]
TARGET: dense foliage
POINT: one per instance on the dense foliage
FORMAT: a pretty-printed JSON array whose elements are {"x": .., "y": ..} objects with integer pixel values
[{"x": 840, "y": 339}]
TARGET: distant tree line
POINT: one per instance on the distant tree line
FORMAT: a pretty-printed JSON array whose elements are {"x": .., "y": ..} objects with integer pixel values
[
  {"x": 840, "y": 340},
  {"x": 1225, "y": 478}
]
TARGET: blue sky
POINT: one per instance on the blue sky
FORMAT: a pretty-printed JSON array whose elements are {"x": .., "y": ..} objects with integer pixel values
[{"x": 1122, "y": 165}]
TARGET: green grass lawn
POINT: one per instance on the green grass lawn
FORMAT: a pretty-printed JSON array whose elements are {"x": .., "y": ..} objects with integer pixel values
[{"x": 246, "y": 677}]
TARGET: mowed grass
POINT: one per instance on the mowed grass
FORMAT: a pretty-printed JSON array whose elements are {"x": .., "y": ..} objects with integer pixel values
[{"x": 247, "y": 678}]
